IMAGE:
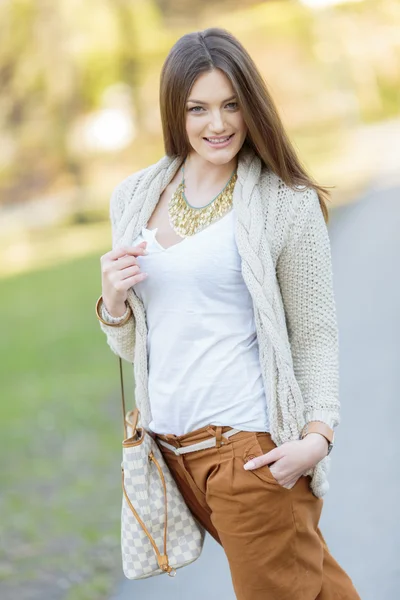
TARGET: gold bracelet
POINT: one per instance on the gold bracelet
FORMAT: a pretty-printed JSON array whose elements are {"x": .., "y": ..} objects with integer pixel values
[{"x": 119, "y": 324}]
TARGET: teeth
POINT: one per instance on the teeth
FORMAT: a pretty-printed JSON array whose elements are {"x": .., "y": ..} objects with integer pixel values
[{"x": 221, "y": 141}]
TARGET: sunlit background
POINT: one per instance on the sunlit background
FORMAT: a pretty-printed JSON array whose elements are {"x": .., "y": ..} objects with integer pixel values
[{"x": 79, "y": 112}]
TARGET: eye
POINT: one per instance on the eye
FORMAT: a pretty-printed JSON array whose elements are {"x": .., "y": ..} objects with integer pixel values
[
  {"x": 193, "y": 109},
  {"x": 233, "y": 105}
]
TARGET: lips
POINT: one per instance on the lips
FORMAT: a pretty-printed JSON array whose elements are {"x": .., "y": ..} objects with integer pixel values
[{"x": 219, "y": 140}]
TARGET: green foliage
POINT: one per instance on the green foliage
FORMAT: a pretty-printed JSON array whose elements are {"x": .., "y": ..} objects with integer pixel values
[
  {"x": 82, "y": 217},
  {"x": 58, "y": 59},
  {"x": 60, "y": 425}
]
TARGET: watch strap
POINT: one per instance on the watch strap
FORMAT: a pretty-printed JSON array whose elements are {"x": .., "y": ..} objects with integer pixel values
[{"x": 318, "y": 427}]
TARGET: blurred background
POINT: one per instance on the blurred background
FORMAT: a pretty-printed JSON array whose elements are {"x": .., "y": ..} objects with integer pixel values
[{"x": 79, "y": 112}]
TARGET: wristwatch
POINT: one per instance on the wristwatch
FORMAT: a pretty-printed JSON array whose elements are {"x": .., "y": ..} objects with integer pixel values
[{"x": 321, "y": 428}]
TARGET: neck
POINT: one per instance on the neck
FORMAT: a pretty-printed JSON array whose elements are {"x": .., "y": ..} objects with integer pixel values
[{"x": 202, "y": 174}]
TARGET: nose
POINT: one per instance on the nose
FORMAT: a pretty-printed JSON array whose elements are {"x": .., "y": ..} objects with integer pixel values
[{"x": 217, "y": 123}]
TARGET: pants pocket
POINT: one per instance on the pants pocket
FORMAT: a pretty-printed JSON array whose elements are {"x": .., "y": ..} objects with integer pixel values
[{"x": 254, "y": 449}]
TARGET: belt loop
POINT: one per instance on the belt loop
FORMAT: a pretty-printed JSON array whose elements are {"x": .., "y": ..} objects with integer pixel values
[
  {"x": 171, "y": 437},
  {"x": 218, "y": 436},
  {"x": 217, "y": 433}
]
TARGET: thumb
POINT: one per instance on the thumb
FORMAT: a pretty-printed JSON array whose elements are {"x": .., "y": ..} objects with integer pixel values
[
  {"x": 265, "y": 459},
  {"x": 272, "y": 456}
]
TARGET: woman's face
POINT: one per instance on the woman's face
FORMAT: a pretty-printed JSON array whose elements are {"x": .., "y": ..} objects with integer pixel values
[{"x": 214, "y": 123}]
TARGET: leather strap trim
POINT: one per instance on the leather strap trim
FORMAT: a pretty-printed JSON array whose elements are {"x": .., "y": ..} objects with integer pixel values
[
  {"x": 121, "y": 377},
  {"x": 162, "y": 559},
  {"x": 135, "y": 440},
  {"x": 131, "y": 419},
  {"x": 318, "y": 427},
  {"x": 208, "y": 443}
]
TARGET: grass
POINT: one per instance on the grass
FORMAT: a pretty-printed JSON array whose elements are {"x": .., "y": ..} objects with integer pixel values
[{"x": 61, "y": 431}]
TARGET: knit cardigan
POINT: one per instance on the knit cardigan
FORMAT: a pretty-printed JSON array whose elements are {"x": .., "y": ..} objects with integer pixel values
[{"x": 283, "y": 242}]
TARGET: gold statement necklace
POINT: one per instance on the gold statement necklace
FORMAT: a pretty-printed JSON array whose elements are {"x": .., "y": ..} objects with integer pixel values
[{"x": 187, "y": 220}]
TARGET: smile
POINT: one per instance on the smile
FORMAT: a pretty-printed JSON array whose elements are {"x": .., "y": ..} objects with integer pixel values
[{"x": 219, "y": 142}]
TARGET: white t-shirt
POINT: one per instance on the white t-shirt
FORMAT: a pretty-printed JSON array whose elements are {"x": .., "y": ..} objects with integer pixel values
[{"x": 202, "y": 346}]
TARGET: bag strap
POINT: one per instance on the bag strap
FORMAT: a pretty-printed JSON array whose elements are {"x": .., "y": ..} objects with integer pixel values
[
  {"x": 121, "y": 376},
  {"x": 131, "y": 418},
  {"x": 162, "y": 559}
]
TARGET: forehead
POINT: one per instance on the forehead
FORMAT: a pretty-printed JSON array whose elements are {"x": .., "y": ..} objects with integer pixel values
[{"x": 212, "y": 86}]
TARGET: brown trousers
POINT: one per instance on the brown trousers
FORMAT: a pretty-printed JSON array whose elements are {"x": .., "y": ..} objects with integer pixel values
[{"x": 269, "y": 533}]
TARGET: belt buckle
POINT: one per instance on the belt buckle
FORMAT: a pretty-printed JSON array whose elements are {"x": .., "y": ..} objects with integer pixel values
[{"x": 169, "y": 441}]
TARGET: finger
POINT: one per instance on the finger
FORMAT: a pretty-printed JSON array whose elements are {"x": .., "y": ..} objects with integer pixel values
[
  {"x": 254, "y": 463},
  {"x": 291, "y": 483},
  {"x": 265, "y": 459},
  {"x": 112, "y": 268},
  {"x": 130, "y": 272},
  {"x": 124, "y": 263},
  {"x": 138, "y": 250},
  {"x": 127, "y": 283},
  {"x": 272, "y": 456}
]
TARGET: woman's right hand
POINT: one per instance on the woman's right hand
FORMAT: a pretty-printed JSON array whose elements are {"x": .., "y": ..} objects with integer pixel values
[{"x": 120, "y": 270}]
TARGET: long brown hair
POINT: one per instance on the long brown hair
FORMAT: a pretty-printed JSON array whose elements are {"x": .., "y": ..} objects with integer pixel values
[{"x": 214, "y": 48}]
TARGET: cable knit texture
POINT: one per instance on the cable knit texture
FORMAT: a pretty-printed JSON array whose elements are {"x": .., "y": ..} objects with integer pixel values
[{"x": 284, "y": 245}]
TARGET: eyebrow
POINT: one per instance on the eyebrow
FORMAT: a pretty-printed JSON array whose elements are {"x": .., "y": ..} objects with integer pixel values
[{"x": 206, "y": 103}]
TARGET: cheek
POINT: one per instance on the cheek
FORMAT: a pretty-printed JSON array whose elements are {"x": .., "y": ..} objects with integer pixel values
[
  {"x": 240, "y": 124},
  {"x": 193, "y": 127}
]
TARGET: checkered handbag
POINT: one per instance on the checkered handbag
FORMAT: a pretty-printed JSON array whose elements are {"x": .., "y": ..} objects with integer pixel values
[{"x": 159, "y": 534}]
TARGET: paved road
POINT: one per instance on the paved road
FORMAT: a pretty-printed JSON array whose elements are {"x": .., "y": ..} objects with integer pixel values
[{"x": 360, "y": 521}]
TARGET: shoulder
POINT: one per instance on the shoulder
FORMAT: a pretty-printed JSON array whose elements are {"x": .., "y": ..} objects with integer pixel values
[
  {"x": 131, "y": 190},
  {"x": 291, "y": 209},
  {"x": 124, "y": 191},
  {"x": 292, "y": 200}
]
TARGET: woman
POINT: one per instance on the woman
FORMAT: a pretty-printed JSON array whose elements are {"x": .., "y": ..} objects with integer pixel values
[{"x": 219, "y": 290}]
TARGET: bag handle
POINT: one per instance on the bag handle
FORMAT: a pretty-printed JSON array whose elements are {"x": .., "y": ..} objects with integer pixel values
[
  {"x": 121, "y": 376},
  {"x": 132, "y": 413},
  {"x": 162, "y": 559}
]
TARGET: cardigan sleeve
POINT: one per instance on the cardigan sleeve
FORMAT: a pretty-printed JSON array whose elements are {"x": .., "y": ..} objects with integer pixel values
[
  {"x": 121, "y": 340},
  {"x": 304, "y": 271}
]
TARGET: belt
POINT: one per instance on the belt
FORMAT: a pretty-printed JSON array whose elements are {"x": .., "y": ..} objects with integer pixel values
[{"x": 208, "y": 443}]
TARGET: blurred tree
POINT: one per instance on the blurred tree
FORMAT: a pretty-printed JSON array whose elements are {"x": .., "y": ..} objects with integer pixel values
[
  {"x": 41, "y": 91},
  {"x": 127, "y": 51},
  {"x": 183, "y": 8},
  {"x": 58, "y": 59}
]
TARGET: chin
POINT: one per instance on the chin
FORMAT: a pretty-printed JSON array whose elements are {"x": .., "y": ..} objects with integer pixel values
[
  {"x": 218, "y": 158},
  {"x": 221, "y": 160}
]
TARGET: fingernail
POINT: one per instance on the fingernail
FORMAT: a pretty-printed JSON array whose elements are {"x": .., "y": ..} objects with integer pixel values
[
  {"x": 145, "y": 251},
  {"x": 249, "y": 465}
]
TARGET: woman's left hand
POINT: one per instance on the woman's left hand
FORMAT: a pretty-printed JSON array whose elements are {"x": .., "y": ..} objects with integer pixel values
[{"x": 292, "y": 459}]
